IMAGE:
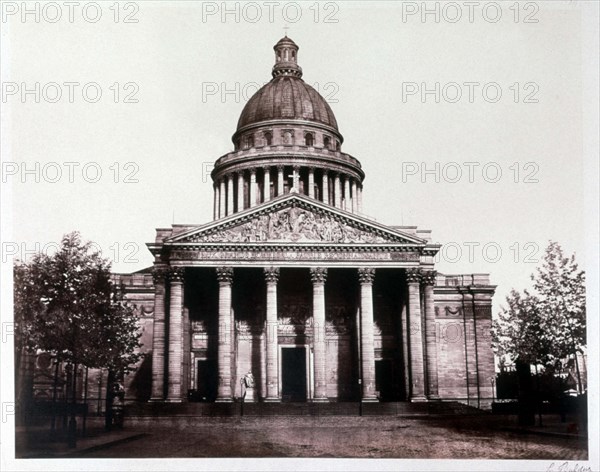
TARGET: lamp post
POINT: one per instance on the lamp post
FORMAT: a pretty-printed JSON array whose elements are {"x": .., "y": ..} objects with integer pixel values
[{"x": 493, "y": 382}]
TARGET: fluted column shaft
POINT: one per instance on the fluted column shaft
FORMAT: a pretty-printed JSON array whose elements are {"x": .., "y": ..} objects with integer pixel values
[
  {"x": 415, "y": 328},
  {"x": 325, "y": 187},
  {"x": 430, "y": 335},
  {"x": 272, "y": 354},
  {"x": 347, "y": 198},
  {"x": 296, "y": 178},
  {"x": 224, "y": 390},
  {"x": 354, "y": 200},
  {"x": 337, "y": 189},
  {"x": 279, "y": 180},
  {"x": 267, "y": 184},
  {"x": 158, "y": 336},
  {"x": 318, "y": 276},
  {"x": 252, "y": 188},
  {"x": 240, "y": 189},
  {"x": 174, "y": 393},
  {"x": 311, "y": 182},
  {"x": 365, "y": 277},
  {"x": 222, "y": 198},
  {"x": 216, "y": 202},
  {"x": 230, "y": 194},
  {"x": 359, "y": 199}
]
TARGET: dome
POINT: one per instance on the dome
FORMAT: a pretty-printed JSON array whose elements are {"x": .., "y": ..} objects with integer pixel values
[{"x": 287, "y": 98}]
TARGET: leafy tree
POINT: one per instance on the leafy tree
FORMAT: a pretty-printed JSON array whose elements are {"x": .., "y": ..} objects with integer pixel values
[
  {"x": 561, "y": 289},
  {"x": 547, "y": 325},
  {"x": 67, "y": 304}
]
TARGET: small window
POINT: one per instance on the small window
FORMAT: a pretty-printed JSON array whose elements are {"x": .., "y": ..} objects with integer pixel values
[
  {"x": 326, "y": 142},
  {"x": 337, "y": 145},
  {"x": 249, "y": 141},
  {"x": 268, "y": 138},
  {"x": 309, "y": 139}
]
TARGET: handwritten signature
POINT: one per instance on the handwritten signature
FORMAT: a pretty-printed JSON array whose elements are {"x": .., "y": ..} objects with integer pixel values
[{"x": 567, "y": 467}]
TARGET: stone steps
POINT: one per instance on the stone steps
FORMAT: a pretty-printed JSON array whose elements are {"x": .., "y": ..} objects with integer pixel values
[{"x": 418, "y": 409}]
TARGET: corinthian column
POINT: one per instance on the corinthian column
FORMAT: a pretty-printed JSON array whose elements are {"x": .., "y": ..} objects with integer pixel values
[
  {"x": 267, "y": 184},
  {"x": 252, "y": 188},
  {"x": 240, "y": 191},
  {"x": 158, "y": 336},
  {"x": 347, "y": 197},
  {"x": 318, "y": 276},
  {"x": 174, "y": 393},
  {"x": 230, "y": 194},
  {"x": 365, "y": 277},
  {"x": 311, "y": 182},
  {"x": 222, "y": 198},
  {"x": 430, "y": 335},
  {"x": 337, "y": 191},
  {"x": 325, "y": 187},
  {"x": 354, "y": 197},
  {"x": 225, "y": 278},
  {"x": 279, "y": 181},
  {"x": 415, "y": 326},
  {"x": 271, "y": 278}
]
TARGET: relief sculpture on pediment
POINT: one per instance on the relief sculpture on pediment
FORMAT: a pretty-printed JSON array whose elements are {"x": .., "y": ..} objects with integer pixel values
[{"x": 291, "y": 224}]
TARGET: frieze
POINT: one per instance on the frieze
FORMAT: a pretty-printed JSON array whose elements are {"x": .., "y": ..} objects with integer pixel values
[
  {"x": 292, "y": 255},
  {"x": 293, "y": 224}
]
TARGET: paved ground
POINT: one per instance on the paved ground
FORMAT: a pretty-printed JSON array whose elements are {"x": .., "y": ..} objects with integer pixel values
[{"x": 376, "y": 437}]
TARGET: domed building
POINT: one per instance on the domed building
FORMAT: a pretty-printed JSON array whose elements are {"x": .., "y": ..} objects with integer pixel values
[{"x": 291, "y": 293}]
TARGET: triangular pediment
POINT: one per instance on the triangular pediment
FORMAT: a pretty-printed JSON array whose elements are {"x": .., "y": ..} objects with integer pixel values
[{"x": 295, "y": 219}]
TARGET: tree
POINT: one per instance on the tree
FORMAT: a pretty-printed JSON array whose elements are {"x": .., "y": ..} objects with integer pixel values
[
  {"x": 66, "y": 304},
  {"x": 561, "y": 288},
  {"x": 547, "y": 325}
]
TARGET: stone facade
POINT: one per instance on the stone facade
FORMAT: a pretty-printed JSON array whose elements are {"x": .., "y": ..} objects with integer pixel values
[{"x": 293, "y": 283}]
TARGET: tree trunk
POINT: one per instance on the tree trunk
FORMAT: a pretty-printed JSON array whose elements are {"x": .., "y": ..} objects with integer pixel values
[
  {"x": 85, "y": 398},
  {"x": 72, "y": 432},
  {"x": 53, "y": 424},
  {"x": 526, "y": 397},
  {"x": 109, "y": 400}
]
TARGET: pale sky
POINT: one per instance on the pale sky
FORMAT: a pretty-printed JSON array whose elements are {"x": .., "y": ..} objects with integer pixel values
[
  {"x": 361, "y": 63},
  {"x": 544, "y": 51}
]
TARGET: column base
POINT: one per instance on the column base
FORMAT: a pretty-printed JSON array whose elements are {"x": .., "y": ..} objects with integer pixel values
[
  {"x": 272, "y": 400},
  {"x": 434, "y": 398},
  {"x": 156, "y": 400},
  {"x": 369, "y": 400},
  {"x": 173, "y": 400},
  {"x": 224, "y": 400},
  {"x": 320, "y": 400},
  {"x": 418, "y": 398}
]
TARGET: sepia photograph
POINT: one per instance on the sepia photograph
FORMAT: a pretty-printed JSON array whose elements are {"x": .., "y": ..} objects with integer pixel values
[{"x": 312, "y": 235}]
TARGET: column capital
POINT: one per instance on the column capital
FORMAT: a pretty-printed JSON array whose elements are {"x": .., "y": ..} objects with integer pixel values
[
  {"x": 253, "y": 171},
  {"x": 366, "y": 275},
  {"x": 280, "y": 167},
  {"x": 266, "y": 168},
  {"x": 318, "y": 275},
  {"x": 413, "y": 275},
  {"x": 428, "y": 277},
  {"x": 271, "y": 274},
  {"x": 325, "y": 172},
  {"x": 176, "y": 274},
  {"x": 224, "y": 274},
  {"x": 159, "y": 274},
  {"x": 240, "y": 173}
]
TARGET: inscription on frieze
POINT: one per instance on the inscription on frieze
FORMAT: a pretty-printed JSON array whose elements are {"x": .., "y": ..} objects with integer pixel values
[{"x": 293, "y": 255}]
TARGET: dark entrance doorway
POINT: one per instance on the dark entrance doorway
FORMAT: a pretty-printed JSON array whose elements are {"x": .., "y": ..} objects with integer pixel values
[
  {"x": 206, "y": 380},
  {"x": 293, "y": 374},
  {"x": 384, "y": 379}
]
